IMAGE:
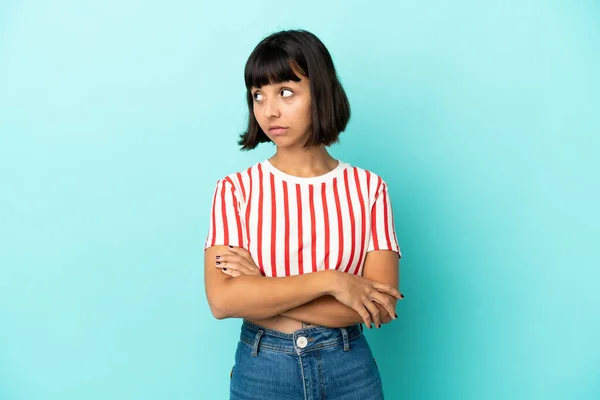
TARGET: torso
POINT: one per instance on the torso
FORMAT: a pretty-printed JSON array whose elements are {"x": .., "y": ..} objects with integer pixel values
[
  {"x": 281, "y": 324},
  {"x": 293, "y": 225}
]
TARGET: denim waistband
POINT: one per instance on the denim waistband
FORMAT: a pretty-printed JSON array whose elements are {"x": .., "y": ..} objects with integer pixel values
[{"x": 301, "y": 341}]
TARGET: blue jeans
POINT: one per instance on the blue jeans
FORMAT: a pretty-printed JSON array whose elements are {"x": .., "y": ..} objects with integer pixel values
[{"x": 309, "y": 364}]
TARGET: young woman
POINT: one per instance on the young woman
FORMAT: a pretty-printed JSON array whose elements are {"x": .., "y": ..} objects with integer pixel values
[{"x": 301, "y": 246}]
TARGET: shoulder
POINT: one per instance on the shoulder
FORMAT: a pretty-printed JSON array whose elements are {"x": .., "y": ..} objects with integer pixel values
[
  {"x": 371, "y": 180},
  {"x": 240, "y": 180}
]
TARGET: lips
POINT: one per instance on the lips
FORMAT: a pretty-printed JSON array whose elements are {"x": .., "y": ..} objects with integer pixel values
[{"x": 277, "y": 130}]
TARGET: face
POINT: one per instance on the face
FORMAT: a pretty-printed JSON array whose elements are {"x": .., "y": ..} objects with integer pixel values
[{"x": 285, "y": 104}]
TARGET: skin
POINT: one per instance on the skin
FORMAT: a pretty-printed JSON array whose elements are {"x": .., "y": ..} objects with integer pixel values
[
  {"x": 237, "y": 261},
  {"x": 288, "y": 104}
]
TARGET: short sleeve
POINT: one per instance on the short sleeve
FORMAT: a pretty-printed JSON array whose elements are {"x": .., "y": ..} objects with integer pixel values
[
  {"x": 383, "y": 233},
  {"x": 225, "y": 221}
]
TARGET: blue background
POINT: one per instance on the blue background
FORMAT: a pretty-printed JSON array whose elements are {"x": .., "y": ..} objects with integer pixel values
[{"x": 117, "y": 119}]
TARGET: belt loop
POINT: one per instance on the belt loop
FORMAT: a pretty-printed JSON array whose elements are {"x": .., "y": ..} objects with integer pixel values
[
  {"x": 256, "y": 342},
  {"x": 346, "y": 341}
]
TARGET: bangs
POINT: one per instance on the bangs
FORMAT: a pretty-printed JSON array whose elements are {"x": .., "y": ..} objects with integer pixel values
[
  {"x": 271, "y": 64},
  {"x": 286, "y": 56}
]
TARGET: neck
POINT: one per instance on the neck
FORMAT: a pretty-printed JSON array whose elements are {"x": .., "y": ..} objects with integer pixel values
[{"x": 303, "y": 162}]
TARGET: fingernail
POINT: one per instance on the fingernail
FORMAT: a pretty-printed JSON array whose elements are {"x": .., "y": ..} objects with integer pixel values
[
  {"x": 224, "y": 269},
  {"x": 218, "y": 263},
  {"x": 379, "y": 326},
  {"x": 396, "y": 315},
  {"x": 230, "y": 246},
  {"x": 218, "y": 257},
  {"x": 401, "y": 296}
]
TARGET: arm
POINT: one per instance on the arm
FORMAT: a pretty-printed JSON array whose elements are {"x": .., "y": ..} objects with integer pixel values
[
  {"x": 259, "y": 297},
  {"x": 381, "y": 266}
]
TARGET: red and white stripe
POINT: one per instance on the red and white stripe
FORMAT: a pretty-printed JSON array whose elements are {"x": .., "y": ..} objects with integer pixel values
[{"x": 292, "y": 228}]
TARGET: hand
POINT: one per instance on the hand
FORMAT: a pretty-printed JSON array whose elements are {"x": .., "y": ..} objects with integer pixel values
[
  {"x": 237, "y": 262},
  {"x": 359, "y": 293}
]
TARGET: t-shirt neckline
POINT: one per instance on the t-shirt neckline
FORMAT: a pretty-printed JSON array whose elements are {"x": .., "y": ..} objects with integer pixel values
[{"x": 337, "y": 171}]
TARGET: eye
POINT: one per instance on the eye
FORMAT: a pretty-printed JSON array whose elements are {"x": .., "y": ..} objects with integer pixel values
[{"x": 256, "y": 94}]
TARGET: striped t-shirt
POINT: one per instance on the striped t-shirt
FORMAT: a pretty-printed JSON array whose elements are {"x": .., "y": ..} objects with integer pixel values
[{"x": 293, "y": 225}]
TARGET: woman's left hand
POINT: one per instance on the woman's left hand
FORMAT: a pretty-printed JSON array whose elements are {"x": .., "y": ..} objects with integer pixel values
[{"x": 237, "y": 262}]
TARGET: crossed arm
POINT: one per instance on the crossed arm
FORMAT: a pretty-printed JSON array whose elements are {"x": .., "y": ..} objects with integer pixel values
[
  {"x": 302, "y": 297},
  {"x": 380, "y": 266}
]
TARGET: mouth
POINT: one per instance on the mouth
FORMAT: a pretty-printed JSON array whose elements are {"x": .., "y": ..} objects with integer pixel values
[{"x": 277, "y": 130}]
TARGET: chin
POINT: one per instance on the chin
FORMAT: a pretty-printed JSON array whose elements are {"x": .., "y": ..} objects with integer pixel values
[
  {"x": 285, "y": 141},
  {"x": 287, "y": 138}
]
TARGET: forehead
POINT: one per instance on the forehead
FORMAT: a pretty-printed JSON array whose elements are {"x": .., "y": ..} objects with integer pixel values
[{"x": 275, "y": 85}]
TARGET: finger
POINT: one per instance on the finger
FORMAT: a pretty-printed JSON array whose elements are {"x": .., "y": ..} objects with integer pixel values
[
  {"x": 228, "y": 261},
  {"x": 245, "y": 254},
  {"x": 362, "y": 311},
  {"x": 386, "y": 301},
  {"x": 374, "y": 311},
  {"x": 240, "y": 259},
  {"x": 389, "y": 289},
  {"x": 234, "y": 258},
  {"x": 231, "y": 272},
  {"x": 247, "y": 257},
  {"x": 242, "y": 252},
  {"x": 237, "y": 266},
  {"x": 230, "y": 266}
]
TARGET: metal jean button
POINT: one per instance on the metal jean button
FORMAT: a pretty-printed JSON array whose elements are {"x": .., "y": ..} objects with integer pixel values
[{"x": 301, "y": 342}]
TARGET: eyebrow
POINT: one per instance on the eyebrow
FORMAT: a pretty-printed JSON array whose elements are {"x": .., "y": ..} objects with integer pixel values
[{"x": 277, "y": 85}]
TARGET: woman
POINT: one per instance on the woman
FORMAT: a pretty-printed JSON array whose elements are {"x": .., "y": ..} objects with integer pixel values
[{"x": 301, "y": 246}]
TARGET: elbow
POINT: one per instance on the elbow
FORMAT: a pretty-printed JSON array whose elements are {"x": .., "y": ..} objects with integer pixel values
[
  {"x": 217, "y": 310},
  {"x": 218, "y": 313},
  {"x": 218, "y": 301}
]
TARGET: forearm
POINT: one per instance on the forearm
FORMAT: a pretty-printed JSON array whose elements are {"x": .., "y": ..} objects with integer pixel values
[
  {"x": 324, "y": 311},
  {"x": 259, "y": 297},
  {"x": 327, "y": 311}
]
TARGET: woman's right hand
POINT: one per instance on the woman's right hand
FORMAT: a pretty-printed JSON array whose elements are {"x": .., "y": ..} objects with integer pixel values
[{"x": 359, "y": 293}]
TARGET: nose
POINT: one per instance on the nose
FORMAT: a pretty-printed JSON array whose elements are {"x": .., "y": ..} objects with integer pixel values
[{"x": 271, "y": 108}]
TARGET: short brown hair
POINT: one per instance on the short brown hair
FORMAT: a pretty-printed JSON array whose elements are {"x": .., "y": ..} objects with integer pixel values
[{"x": 273, "y": 60}]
